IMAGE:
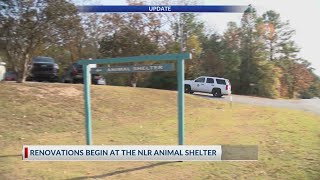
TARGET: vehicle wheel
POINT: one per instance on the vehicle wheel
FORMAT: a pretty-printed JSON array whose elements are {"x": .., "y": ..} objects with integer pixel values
[
  {"x": 187, "y": 89},
  {"x": 216, "y": 92}
]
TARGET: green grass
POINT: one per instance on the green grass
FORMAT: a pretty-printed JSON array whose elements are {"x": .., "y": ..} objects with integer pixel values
[{"x": 38, "y": 113}]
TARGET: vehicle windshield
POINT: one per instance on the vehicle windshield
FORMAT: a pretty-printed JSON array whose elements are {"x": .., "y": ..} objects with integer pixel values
[{"x": 42, "y": 60}]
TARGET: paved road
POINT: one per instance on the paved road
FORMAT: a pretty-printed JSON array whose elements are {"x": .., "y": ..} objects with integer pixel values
[{"x": 310, "y": 105}]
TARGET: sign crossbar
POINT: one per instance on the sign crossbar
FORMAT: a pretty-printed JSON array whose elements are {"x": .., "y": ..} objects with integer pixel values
[
  {"x": 163, "y": 57},
  {"x": 136, "y": 68}
]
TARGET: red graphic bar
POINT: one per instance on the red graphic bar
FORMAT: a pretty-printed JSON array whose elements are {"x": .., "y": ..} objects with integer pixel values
[{"x": 26, "y": 152}]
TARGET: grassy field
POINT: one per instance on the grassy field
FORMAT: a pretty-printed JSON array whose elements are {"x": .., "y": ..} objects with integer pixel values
[{"x": 38, "y": 113}]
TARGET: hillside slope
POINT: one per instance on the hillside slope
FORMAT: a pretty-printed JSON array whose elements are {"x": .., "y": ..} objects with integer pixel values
[{"x": 49, "y": 113}]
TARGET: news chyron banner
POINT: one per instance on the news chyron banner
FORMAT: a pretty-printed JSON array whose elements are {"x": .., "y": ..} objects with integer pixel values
[{"x": 138, "y": 153}]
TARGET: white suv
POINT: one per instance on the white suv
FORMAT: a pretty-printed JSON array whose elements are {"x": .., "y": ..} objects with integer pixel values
[{"x": 213, "y": 85}]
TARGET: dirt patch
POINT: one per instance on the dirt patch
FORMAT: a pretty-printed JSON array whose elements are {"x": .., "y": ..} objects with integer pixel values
[
  {"x": 43, "y": 91},
  {"x": 67, "y": 91}
]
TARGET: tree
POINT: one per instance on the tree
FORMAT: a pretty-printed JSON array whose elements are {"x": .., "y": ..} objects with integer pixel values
[
  {"x": 131, "y": 38},
  {"x": 296, "y": 78},
  {"x": 230, "y": 55},
  {"x": 313, "y": 90},
  {"x": 257, "y": 76},
  {"x": 266, "y": 80},
  {"x": 249, "y": 49},
  {"x": 30, "y": 27},
  {"x": 278, "y": 38},
  {"x": 277, "y": 35},
  {"x": 96, "y": 26},
  {"x": 211, "y": 61}
]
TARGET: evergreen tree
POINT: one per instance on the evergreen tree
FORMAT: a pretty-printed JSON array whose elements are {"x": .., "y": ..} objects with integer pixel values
[
  {"x": 230, "y": 55},
  {"x": 248, "y": 47}
]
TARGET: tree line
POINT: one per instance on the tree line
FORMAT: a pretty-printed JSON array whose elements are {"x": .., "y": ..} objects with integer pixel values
[{"x": 258, "y": 54}]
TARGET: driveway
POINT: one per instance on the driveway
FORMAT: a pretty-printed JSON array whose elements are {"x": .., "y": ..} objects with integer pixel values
[{"x": 309, "y": 105}]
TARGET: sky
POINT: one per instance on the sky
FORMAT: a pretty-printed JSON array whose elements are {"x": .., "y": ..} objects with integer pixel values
[{"x": 303, "y": 17}]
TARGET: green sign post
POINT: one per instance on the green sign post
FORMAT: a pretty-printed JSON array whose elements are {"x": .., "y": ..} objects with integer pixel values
[{"x": 143, "y": 68}]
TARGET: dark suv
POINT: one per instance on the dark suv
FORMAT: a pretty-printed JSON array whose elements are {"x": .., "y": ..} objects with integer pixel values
[
  {"x": 43, "y": 69},
  {"x": 74, "y": 74}
]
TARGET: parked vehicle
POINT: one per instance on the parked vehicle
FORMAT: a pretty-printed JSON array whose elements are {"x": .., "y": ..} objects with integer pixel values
[
  {"x": 2, "y": 70},
  {"x": 10, "y": 76},
  {"x": 74, "y": 74},
  {"x": 43, "y": 69},
  {"x": 214, "y": 85},
  {"x": 101, "y": 81}
]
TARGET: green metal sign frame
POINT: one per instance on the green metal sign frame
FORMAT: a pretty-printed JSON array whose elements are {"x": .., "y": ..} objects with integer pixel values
[
  {"x": 165, "y": 57},
  {"x": 129, "y": 69}
]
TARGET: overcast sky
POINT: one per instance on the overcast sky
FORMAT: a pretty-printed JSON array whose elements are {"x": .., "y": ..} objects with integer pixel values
[{"x": 304, "y": 17}]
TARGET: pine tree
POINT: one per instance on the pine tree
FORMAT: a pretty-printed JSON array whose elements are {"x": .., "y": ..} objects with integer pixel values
[
  {"x": 277, "y": 36},
  {"x": 248, "y": 48},
  {"x": 230, "y": 55},
  {"x": 257, "y": 76}
]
